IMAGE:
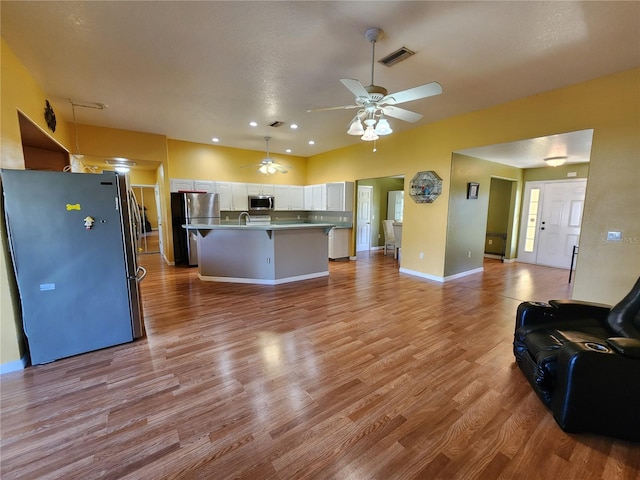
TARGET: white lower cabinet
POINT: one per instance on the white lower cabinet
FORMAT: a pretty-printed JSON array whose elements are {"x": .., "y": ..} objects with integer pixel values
[{"x": 339, "y": 243}]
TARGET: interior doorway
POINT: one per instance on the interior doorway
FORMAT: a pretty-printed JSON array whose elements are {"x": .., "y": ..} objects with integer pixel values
[
  {"x": 149, "y": 223},
  {"x": 363, "y": 218},
  {"x": 552, "y": 218}
]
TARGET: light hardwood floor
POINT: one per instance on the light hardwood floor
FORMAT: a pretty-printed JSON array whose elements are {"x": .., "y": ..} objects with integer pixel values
[{"x": 366, "y": 374}]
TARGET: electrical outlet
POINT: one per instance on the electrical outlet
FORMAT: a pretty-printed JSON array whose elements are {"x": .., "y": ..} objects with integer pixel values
[
  {"x": 490, "y": 242},
  {"x": 378, "y": 236},
  {"x": 421, "y": 255},
  {"x": 469, "y": 254}
]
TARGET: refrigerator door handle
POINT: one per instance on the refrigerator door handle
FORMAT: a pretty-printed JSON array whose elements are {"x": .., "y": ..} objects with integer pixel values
[{"x": 141, "y": 272}]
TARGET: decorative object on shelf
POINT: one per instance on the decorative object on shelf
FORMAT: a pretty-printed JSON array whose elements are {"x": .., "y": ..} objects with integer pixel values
[
  {"x": 50, "y": 116},
  {"x": 425, "y": 187},
  {"x": 374, "y": 102},
  {"x": 472, "y": 190}
]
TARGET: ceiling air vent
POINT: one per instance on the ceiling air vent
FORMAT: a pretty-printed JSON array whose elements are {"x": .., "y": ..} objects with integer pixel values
[
  {"x": 276, "y": 124},
  {"x": 397, "y": 56}
]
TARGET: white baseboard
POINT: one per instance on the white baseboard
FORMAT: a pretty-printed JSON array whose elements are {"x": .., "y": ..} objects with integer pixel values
[
  {"x": 441, "y": 279},
  {"x": 421, "y": 275}
]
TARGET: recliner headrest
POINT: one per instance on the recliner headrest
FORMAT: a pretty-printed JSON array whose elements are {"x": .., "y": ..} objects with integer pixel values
[{"x": 624, "y": 317}]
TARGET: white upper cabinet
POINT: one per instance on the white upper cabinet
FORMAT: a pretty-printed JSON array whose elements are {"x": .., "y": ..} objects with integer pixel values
[
  {"x": 232, "y": 196},
  {"x": 296, "y": 197},
  {"x": 315, "y": 197},
  {"x": 223, "y": 189},
  {"x": 260, "y": 189},
  {"x": 240, "y": 197},
  {"x": 289, "y": 197},
  {"x": 178, "y": 184},
  {"x": 340, "y": 196},
  {"x": 204, "y": 186}
]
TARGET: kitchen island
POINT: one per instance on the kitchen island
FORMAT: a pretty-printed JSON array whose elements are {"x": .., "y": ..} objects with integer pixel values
[{"x": 262, "y": 254}]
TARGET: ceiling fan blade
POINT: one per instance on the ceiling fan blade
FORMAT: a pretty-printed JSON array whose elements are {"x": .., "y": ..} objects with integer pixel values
[
  {"x": 401, "y": 113},
  {"x": 415, "y": 93},
  {"x": 355, "y": 87},
  {"x": 280, "y": 168},
  {"x": 340, "y": 107}
]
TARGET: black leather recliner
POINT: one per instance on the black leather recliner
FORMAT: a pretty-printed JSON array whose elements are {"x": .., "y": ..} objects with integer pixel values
[{"x": 583, "y": 361}]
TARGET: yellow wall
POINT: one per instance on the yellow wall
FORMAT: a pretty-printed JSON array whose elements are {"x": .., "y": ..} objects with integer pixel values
[
  {"x": 211, "y": 162},
  {"x": 19, "y": 92},
  {"x": 610, "y": 105}
]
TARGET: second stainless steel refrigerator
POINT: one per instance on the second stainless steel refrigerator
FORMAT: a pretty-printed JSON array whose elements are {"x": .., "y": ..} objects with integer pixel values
[{"x": 191, "y": 208}]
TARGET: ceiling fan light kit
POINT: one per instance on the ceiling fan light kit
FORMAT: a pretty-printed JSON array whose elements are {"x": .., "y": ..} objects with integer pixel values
[
  {"x": 374, "y": 102},
  {"x": 267, "y": 166}
]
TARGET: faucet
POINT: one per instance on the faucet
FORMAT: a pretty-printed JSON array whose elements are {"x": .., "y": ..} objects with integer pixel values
[{"x": 246, "y": 220}]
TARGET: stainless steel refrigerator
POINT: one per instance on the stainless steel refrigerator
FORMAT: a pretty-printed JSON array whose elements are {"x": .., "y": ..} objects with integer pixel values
[
  {"x": 191, "y": 208},
  {"x": 74, "y": 257}
]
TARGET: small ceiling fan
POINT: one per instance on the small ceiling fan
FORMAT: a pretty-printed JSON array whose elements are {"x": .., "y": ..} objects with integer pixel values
[
  {"x": 267, "y": 166},
  {"x": 374, "y": 102}
]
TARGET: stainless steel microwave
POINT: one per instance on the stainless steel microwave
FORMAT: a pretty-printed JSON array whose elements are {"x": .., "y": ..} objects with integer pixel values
[{"x": 261, "y": 202}]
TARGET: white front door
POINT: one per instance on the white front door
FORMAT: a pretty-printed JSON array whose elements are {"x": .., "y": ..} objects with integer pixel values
[
  {"x": 551, "y": 222},
  {"x": 363, "y": 221}
]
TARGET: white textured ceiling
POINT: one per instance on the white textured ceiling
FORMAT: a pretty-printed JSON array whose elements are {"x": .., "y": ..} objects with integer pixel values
[{"x": 194, "y": 70}]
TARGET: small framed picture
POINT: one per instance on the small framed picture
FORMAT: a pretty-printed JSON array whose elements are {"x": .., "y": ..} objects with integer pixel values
[{"x": 472, "y": 190}]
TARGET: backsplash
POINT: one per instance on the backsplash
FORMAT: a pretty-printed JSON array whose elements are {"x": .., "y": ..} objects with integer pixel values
[{"x": 342, "y": 219}]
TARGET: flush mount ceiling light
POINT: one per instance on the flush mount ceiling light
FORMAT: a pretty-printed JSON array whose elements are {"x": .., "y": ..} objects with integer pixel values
[
  {"x": 120, "y": 162},
  {"x": 121, "y": 165},
  {"x": 556, "y": 161}
]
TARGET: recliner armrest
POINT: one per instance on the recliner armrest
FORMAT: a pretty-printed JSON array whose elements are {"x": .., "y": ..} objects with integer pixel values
[
  {"x": 596, "y": 391},
  {"x": 629, "y": 347},
  {"x": 577, "y": 308}
]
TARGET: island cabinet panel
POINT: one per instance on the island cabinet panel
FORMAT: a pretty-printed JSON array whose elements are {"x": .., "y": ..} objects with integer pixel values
[
  {"x": 235, "y": 255},
  {"x": 266, "y": 255},
  {"x": 300, "y": 253}
]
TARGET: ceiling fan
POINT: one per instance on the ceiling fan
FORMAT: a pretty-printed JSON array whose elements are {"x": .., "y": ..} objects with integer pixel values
[
  {"x": 267, "y": 166},
  {"x": 374, "y": 102}
]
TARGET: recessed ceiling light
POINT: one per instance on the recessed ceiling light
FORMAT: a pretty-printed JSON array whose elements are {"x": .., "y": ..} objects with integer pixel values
[
  {"x": 293, "y": 126},
  {"x": 253, "y": 124},
  {"x": 215, "y": 139},
  {"x": 288, "y": 150},
  {"x": 311, "y": 142}
]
